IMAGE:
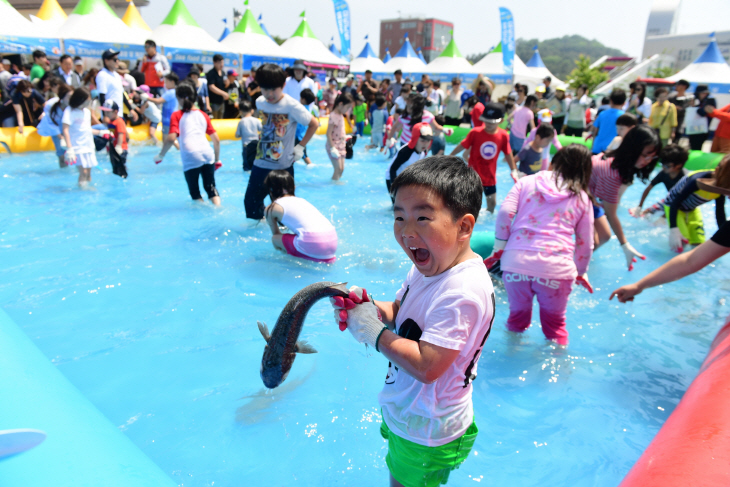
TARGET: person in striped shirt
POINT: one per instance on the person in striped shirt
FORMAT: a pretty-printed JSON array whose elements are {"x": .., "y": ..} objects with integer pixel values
[{"x": 613, "y": 172}]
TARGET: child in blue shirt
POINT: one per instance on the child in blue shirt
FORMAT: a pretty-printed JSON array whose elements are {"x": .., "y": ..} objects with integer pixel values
[
  {"x": 604, "y": 127},
  {"x": 308, "y": 99}
]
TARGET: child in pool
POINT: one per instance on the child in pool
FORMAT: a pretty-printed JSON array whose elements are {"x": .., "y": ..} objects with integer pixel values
[
  {"x": 153, "y": 113},
  {"x": 434, "y": 332},
  {"x": 335, "y": 145},
  {"x": 624, "y": 123},
  {"x": 545, "y": 116},
  {"x": 416, "y": 150},
  {"x": 79, "y": 135},
  {"x": 198, "y": 159},
  {"x": 314, "y": 237},
  {"x": 612, "y": 173},
  {"x": 531, "y": 158},
  {"x": 117, "y": 144},
  {"x": 673, "y": 158},
  {"x": 249, "y": 131},
  {"x": 536, "y": 225},
  {"x": 50, "y": 124},
  {"x": 307, "y": 98}
]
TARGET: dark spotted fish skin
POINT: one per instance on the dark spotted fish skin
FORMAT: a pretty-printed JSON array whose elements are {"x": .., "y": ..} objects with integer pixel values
[{"x": 282, "y": 346}]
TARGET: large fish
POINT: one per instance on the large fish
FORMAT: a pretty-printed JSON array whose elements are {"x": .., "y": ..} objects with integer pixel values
[{"x": 282, "y": 345}]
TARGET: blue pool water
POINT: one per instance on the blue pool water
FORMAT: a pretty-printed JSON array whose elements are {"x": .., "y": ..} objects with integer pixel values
[{"x": 148, "y": 303}]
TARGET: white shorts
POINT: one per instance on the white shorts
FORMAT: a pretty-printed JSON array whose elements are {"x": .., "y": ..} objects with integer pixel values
[
  {"x": 86, "y": 160},
  {"x": 376, "y": 139}
]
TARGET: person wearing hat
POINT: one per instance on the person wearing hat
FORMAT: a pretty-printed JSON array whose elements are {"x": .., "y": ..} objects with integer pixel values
[
  {"x": 557, "y": 106},
  {"x": 417, "y": 149},
  {"x": 350, "y": 86},
  {"x": 66, "y": 71},
  {"x": 485, "y": 144},
  {"x": 234, "y": 95},
  {"x": 117, "y": 140},
  {"x": 109, "y": 83},
  {"x": 128, "y": 81},
  {"x": 548, "y": 91},
  {"x": 295, "y": 84},
  {"x": 79, "y": 67},
  {"x": 155, "y": 67}
]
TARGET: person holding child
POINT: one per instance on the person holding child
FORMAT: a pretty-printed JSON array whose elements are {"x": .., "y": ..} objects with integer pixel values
[{"x": 434, "y": 331}]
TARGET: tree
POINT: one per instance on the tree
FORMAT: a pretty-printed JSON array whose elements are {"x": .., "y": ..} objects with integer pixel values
[
  {"x": 583, "y": 74},
  {"x": 661, "y": 72}
]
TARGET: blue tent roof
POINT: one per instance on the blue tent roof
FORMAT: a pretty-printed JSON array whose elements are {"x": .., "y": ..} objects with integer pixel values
[
  {"x": 334, "y": 50},
  {"x": 712, "y": 54},
  {"x": 535, "y": 61},
  {"x": 406, "y": 50},
  {"x": 420, "y": 55},
  {"x": 263, "y": 27},
  {"x": 367, "y": 51},
  {"x": 387, "y": 57}
]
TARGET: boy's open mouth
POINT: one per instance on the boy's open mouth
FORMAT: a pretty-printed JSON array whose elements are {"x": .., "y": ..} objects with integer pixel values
[{"x": 420, "y": 256}]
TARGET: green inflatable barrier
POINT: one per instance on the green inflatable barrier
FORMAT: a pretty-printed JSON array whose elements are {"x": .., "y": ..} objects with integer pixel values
[{"x": 482, "y": 243}]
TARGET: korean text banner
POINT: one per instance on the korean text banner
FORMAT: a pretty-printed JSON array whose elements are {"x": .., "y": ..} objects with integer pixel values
[
  {"x": 77, "y": 47},
  {"x": 26, "y": 45},
  {"x": 342, "y": 15},
  {"x": 508, "y": 41},
  {"x": 191, "y": 56}
]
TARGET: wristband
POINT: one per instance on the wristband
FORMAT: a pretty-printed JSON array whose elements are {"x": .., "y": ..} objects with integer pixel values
[{"x": 378, "y": 338}]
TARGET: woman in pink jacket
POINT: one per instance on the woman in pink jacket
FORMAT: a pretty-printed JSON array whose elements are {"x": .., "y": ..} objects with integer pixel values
[{"x": 535, "y": 228}]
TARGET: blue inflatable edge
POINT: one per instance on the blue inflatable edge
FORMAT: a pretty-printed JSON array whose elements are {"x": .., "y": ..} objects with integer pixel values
[{"x": 82, "y": 447}]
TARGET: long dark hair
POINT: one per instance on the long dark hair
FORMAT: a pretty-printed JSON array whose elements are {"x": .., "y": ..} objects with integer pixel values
[
  {"x": 186, "y": 93},
  {"x": 279, "y": 183},
  {"x": 625, "y": 157},
  {"x": 80, "y": 95},
  {"x": 343, "y": 99},
  {"x": 573, "y": 164},
  {"x": 415, "y": 111},
  {"x": 642, "y": 85},
  {"x": 57, "y": 109}
]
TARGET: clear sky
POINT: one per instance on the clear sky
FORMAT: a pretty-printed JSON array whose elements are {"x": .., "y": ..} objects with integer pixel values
[{"x": 616, "y": 23}]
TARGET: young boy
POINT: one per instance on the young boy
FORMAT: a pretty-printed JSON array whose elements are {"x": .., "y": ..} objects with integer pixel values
[
  {"x": 277, "y": 149},
  {"x": 531, "y": 157},
  {"x": 168, "y": 100},
  {"x": 118, "y": 141},
  {"x": 308, "y": 99},
  {"x": 673, "y": 158},
  {"x": 378, "y": 121},
  {"x": 249, "y": 131},
  {"x": 604, "y": 126},
  {"x": 624, "y": 123},
  {"x": 438, "y": 146},
  {"x": 434, "y": 332},
  {"x": 484, "y": 144},
  {"x": 359, "y": 112},
  {"x": 417, "y": 149}
]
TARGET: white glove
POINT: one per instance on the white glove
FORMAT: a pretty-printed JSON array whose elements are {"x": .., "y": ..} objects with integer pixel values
[
  {"x": 158, "y": 158},
  {"x": 298, "y": 152},
  {"x": 448, "y": 132},
  {"x": 334, "y": 153},
  {"x": 105, "y": 133},
  {"x": 515, "y": 175},
  {"x": 631, "y": 254},
  {"x": 497, "y": 251},
  {"x": 363, "y": 319},
  {"x": 70, "y": 156},
  {"x": 391, "y": 142},
  {"x": 635, "y": 212},
  {"x": 676, "y": 240}
]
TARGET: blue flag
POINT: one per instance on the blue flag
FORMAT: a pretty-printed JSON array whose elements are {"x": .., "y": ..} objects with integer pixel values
[
  {"x": 342, "y": 15},
  {"x": 508, "y": 41}
]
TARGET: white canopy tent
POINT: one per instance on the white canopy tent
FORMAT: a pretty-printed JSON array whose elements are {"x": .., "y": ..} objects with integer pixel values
[
  {"x": 303, "y": 44},
  {"x": 451, "y": 64},
  {"x": 709, "y": 69},
  {"x": 538, "y": 68},
  {"x": 180, "y": 30},
  {"x": 95, "y": 21},
  {"x": 367, "y": 60},
  {"x": 407, "y": 61},
  {"x": 492, "y": 66},
  {"x": 251, "y": 40}
]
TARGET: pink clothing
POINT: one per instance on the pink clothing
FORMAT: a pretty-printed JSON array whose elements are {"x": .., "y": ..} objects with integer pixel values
[
  {"x": 405, "y": 136},
  {"x": 520, "y": 122},
  {"x": 539, "y": 219},
  {"x": 327, "y": 245},
  {"x": 336, "y": 131},
  {"x": 605, "y": 181},
  {"x": 546, "y": 151},
  {"x": 552, "y": 296}
]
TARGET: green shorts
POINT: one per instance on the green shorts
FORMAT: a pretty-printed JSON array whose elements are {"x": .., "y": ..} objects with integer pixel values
[
  {"x": 690, "y": 224},
  {"x": 415, "y": 465}
]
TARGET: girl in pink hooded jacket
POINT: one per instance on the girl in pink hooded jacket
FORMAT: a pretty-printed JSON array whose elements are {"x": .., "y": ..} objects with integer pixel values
[{"x": 535, "y": 231}]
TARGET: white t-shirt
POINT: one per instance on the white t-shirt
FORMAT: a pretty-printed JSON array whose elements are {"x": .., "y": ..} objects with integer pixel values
[
  {"x": 248, "y": 129},
  {"x": 153, "y": 113},
  {"x": 46, "y": 127},
  {"x": 453, "y": 310},
  {"x": 293, "y": 87},
  {"x": 302, "y": 218},
  {"x": 110, "y": 85},
  {"x": 399, "y": 102},
  {"x": 79, "y": 130},
  {"x": 191, "y": 128},
  {"x": 279, "y": 121}
]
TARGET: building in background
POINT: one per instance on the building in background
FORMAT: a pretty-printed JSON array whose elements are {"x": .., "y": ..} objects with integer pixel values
[
  {"x": 431, "y": 35},
  {"x": 30, "y": 7}
]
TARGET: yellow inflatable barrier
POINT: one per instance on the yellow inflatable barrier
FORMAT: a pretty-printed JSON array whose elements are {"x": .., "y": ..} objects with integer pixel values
[{"x": 30, "y": 141}]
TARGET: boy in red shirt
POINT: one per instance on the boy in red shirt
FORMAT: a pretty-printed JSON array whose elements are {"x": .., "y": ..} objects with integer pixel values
[
  {"x": 118, "y": 142},
  {"x": 484, "y": 144}
]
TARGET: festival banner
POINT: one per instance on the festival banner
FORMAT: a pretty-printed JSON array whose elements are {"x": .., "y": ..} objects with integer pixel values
[
  {"x": 508, "y": 42},
  {"x": 251, "y": 63},
  {"x": 76, "y": 47},
  {"x": 193, "y": 56},
  {"x": 26, "y": 45},
  {"x": 342, "y": 15}
]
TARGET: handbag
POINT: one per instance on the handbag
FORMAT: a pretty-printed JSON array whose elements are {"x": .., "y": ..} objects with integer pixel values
[{"x": 695, "y": 123}]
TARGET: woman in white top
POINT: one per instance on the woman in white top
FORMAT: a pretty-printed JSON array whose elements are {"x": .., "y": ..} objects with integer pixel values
[
  {"x": 50, "y": 124},
  {"x": 640, "y": 104},
  {"x": 453, "y": 112},
  {"x": 314, "y": 237},
  {"x": 79, "y": 135}
]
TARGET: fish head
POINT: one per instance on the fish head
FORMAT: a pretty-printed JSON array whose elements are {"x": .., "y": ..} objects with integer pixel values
[{"x": 273, "y": 373}]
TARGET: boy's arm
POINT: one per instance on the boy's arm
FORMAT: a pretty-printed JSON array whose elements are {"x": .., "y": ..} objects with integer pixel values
[
  {"x": 646, "y": 192},
  {"x": 388, "y": 311},
  {"x": 423, "y": 361}
]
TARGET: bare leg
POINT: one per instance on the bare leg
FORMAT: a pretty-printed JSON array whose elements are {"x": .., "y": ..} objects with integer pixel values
[
  {"x": 341, "y": 162},
  {"x": 336, "y": 166},
  {"x": 216, "y": 200},
  {"x": 394, "y": 482},
  {"x": 277, "y": 240},
  {"x": 491, "y": 202},
  {"x": 602, "y": 233}
]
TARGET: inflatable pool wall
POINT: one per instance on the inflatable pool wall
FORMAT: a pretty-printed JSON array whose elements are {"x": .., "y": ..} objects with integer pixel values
[
  {"x": 693, "y": 446},
  {"x": 82, "y": 447}
]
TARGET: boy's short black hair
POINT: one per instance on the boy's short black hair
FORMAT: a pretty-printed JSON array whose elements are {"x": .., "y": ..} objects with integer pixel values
[
  {"x": 172, "y": 76},
  {"x": 673, "y": 154},
  {"x": 605, "y": 100},
  {"x": 660, "y": 91},
  {"x": 545, "y": 131},
  {"x": 458, "y": 185},
  {"x": 618, "y": 96},
  {"x": 150, "y": 42},
  {"x": 440, "y": 119},
  {"x": 307, "y": 95},
  {"x": 38, "y": 54},
  {"x": 379, "y": 100},
  {"x": 217, "y": 58},
  {"x": 626, "y": 120},
  {"x": 398, "y": 71},
  {"x": 436, "y": 83},
  {"x": 279, "y": 183},
  {"x": 398, "y": 111},
  {"x": 683, "y": 82},
  {"x": 270, "y": 76},
  {"x": 245, "y": 107},
  {"x": 530, "y": 99}
]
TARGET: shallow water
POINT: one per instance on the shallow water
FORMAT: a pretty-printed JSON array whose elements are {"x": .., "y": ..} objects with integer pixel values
[{"x": 148, "y": 303}]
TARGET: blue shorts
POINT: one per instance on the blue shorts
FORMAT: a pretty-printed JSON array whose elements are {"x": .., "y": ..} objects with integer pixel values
[
  {"x": 489, "y": 190},
  {"x": 598, "y": 212},
  {"x": 515, "y": 143}
]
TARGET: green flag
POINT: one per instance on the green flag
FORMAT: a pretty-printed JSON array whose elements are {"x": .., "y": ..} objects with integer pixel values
[
  {"x": 246, "y": 3},
  {"x": 303, "y": 14}
]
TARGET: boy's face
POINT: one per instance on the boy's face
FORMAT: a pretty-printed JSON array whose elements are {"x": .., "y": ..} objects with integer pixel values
[
  {"x": 490, "y": 128},
  {"x": 272, "y": 95},
  {"x": 622, "y": 130},
  {"x": 169, "y": 84},
  {"x": 670, "y": 168},
  {"x": 427, "y": 232},
  {"x": 112, "y": 115},
  {"x": 422, "y": 144},
  {"x": 542, "y": 142}
]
